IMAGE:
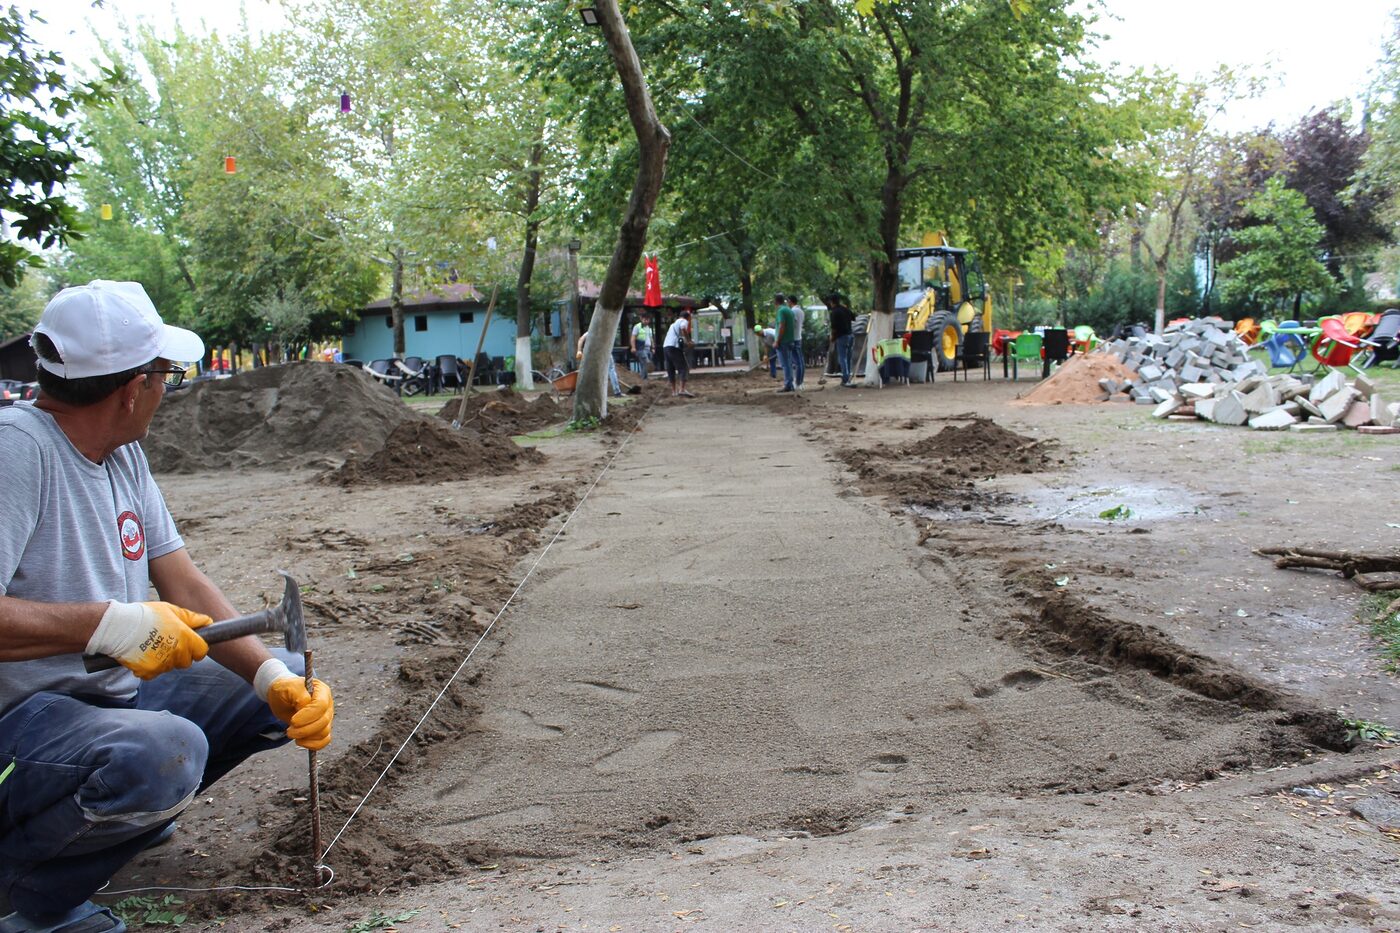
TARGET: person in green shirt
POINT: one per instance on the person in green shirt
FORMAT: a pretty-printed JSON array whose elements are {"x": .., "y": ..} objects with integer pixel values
[
  {"x": 643, "y": 340},
  {"x": 788, "y": 347}
]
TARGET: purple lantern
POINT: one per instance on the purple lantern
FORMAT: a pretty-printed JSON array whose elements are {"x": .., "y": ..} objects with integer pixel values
[{"x": 344, "y": 103}]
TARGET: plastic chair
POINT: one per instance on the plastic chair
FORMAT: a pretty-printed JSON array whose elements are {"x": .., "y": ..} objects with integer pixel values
[
  {"x": 1024, "y": 349},
  {"x": 1056, "y": 345},
  {"x": 1334, "y": 347},
  {"x": 1384, "y": 341},
  {"x": 1288, "y": 346},
  {"x": 385, "y": 371},
  {"x": 1360, "y": 323},
  {"x": 975, "y": 352},
  {"x": 921, "y": 351},
  {"x": 1084, "y": 340},
  {"x": 1248, "y": 330},
  {"x": 417, "y": 375},
  {"x": 450, "y": 375}
]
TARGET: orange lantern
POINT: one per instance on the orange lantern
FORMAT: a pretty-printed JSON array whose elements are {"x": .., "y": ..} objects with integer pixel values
[{"x": 230, "y": 165}]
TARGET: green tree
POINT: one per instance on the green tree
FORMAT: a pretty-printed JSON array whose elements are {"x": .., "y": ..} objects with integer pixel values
[
  {"x": 38, "y": 151},
  {"x": 1279, "y": 256},
  {"x": 21, "y": 305}
]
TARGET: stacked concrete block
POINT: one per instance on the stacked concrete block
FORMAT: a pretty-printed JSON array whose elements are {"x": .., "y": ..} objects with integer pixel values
[{"x": 1203, "y": 364}]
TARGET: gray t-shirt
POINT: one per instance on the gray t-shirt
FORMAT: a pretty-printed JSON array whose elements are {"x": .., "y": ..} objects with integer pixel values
[{"x": 73, "y": 531}]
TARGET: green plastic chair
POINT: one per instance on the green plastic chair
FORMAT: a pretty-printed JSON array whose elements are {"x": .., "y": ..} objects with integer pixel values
[
  {"x": 1084, "y": 340},
  {"x": 1025, "y": 349}
]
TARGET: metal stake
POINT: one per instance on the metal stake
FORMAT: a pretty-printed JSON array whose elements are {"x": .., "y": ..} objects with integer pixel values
[{"x": 314, "y": 796}]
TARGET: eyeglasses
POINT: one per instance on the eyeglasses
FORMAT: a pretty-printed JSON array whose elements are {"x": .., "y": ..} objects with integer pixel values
[{"x": 174, "y": 378}]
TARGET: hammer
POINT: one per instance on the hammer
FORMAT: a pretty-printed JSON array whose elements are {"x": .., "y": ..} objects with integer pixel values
[{"x": 284, "y": 619}]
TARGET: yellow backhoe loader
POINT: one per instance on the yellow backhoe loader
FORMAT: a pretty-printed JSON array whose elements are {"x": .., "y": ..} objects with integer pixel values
[{"x": 942, "y": 293}]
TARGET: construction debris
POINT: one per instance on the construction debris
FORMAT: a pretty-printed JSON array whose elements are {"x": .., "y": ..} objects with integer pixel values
[
  {"x": 1203, "y": 367},
  {"x": 1375, "y": 573}
]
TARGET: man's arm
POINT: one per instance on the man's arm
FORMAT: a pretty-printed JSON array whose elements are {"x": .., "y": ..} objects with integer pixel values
[
  {"x": 179, "y": 581},
  {"x": 30, "y": 630}
]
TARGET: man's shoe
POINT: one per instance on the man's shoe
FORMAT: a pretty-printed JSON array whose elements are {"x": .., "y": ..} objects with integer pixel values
[
  {"x": 87, "y": 917},
  {"x": 786, "y": 389},
  {"x": 684, "y": 394}
]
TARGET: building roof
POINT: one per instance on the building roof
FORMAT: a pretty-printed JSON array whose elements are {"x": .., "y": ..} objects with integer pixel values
[
  {"x": 434, "y": 297},
  {"x": 589, "y": 291},
  {"x": 22, "y": 338}
]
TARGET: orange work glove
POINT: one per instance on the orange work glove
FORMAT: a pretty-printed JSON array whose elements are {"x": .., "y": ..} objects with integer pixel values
[
  {"x": 149, "y": 638},
  {"x": 308, "y": 715}
]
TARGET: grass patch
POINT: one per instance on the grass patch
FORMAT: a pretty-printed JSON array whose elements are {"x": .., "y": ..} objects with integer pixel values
[{"x": 1384, "y": 628}]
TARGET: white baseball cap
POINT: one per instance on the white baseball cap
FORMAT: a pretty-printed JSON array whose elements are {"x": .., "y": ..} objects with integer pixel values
[{"x": 110, "y": 327}]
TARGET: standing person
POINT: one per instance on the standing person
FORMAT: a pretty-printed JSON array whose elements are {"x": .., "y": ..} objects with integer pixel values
[
  {"x": 788, "y": 348},
  {"x": 769, "y": 338},
  {"x": 99, "y": 765},
  {"x": 613, "y": 384},
  {"x": 800, "y": 317},
  {"x": 643, "y": 339},
  {"x": 674, "y": 345},
  {"x": 842, "y": 335}
]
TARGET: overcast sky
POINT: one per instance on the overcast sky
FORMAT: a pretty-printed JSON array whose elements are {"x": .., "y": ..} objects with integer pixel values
[{"x": 1314, "y": 53}]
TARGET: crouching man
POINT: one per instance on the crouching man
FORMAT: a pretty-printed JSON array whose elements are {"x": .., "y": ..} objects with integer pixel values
[{"x": 96, "y": 767}]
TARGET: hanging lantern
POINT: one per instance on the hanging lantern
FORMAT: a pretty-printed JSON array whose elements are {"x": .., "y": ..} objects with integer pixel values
[
  {"x": 230, "y": 165},
  {"x": 106, "y": 212},
  {"x": 344, "y": 103}
]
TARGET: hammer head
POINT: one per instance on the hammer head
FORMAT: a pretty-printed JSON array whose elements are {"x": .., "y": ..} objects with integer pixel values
[{"x": 287, "y": 616}]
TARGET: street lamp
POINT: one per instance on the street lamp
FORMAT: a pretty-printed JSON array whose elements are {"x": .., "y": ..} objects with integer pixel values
[{"x": 590, "y": 16}]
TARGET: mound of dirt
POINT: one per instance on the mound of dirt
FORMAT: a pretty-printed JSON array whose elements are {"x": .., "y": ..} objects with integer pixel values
[
  {"x": 982, "y": 448},
  {"x": 428, "y": 451},
  {"x": 278, "y": 416},
  {"x": 1077, "y": 381},
  {"x": 506, "y": 412}
]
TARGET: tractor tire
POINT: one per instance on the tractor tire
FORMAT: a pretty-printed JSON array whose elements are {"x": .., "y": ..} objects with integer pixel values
[{"x": 947, "y": 339}]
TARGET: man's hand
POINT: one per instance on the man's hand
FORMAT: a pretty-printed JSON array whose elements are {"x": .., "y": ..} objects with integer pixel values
[
  {"x": 149, "y": 638},
  {"x": 308, "y": 715}
]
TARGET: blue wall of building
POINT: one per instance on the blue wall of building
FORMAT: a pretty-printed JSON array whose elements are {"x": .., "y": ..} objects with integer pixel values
[{"x": 373, "y": 339}]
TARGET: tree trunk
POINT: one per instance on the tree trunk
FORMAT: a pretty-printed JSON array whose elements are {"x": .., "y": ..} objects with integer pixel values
[
  {"x": 654, "y": 141},
  {"x": 884, "y": 271},
  {"x": 1161, "y": 320},
  {"x": 396, "y": 301},
  {"x": 523, "y": 368},
  {"x": 751, "y": 339}
]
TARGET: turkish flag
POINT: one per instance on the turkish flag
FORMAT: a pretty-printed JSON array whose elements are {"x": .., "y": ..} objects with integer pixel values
[{"x": 652, "y": 298}]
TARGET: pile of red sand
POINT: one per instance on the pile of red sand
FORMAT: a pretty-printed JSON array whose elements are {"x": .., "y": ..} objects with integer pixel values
[
  {"x": 428, "y": 451},
  {"x": 1076, "y": 382},
  {"x": 292, "y": 415}
]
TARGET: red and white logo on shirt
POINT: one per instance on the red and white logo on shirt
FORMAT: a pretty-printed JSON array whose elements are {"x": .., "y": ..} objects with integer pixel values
[{"x": 133, "y": 536}]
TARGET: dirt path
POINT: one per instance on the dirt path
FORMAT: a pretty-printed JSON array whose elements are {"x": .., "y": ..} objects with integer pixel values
[{"x": 737, "y": 691}]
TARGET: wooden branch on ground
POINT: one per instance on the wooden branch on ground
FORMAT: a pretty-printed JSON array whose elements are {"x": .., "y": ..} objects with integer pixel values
[{"x": 1356, "y": 566}]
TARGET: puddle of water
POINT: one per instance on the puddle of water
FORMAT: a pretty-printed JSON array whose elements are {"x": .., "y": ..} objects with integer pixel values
[
  {"x": 1123, "y": 504},
  {"x": 1128, "y": 503}
]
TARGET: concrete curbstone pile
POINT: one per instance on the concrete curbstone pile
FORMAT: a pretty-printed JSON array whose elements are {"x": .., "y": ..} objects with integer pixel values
[{"x": 1202, "y": 368}]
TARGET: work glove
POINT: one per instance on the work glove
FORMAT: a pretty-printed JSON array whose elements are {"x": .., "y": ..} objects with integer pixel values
[
  {"x": 308, "y": 715},
  {"x": 149, "y": 638}
]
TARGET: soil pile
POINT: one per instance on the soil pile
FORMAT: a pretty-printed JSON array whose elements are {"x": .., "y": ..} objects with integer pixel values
[
  {"x": 1077, "y": 381},
  {"x": 293, "y": 415},
  {"x": 982, "y": 448},
  {"x": 424, "y": 451},
  {"x": 506, "y": 412}
]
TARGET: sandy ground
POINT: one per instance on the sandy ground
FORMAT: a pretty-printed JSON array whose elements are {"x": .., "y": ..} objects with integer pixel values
[{"x": 752, "y": 687}]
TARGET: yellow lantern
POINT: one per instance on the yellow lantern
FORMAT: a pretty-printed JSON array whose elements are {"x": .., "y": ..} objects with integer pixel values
[{"x": 106, "y": 212}]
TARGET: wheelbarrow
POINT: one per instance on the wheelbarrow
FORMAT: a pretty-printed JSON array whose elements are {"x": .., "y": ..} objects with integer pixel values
[{"x": 565, "y": 384}]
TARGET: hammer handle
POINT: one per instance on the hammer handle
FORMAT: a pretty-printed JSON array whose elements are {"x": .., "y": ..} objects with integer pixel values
[{"x": 227, "y": 630}]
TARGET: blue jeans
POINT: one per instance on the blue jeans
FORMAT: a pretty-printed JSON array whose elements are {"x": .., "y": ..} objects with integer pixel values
[
  {"x": 94, "y": 781},
  {"x": 843, "y": 356},
  {"x": 789, "y": 355},
  {"x": 612, "y": 383},
  {"x": 643, "y": 360},
  {"x": 773, "y": 355},
  {"x": 799, "y": 362}
]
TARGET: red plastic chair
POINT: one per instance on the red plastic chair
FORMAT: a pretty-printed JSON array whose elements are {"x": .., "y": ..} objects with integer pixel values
[{"x": 1334, "y": 347}]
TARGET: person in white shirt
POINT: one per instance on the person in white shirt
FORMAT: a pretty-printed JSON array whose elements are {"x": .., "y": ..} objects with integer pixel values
[
  {"x": 798, "y": 313},
  {"x": 674, "y": 345}
]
